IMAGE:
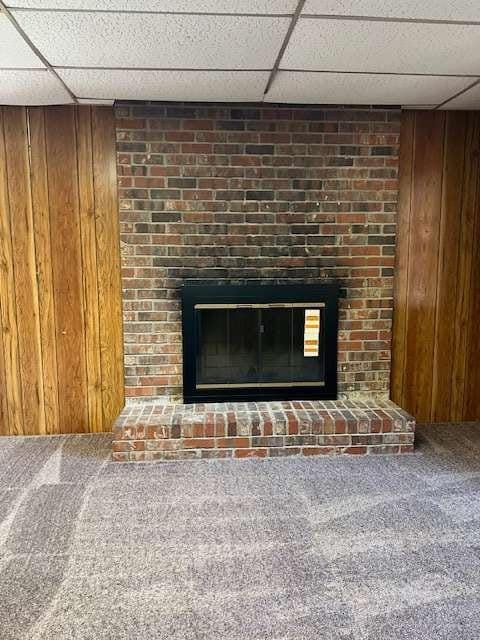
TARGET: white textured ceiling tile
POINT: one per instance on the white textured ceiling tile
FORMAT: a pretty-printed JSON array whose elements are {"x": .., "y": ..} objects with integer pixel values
[
  {"x": 221, "y": 86},
  {"x": 154, "y": 40},
  {"x": 14, "y": 51},
  {"x": 351, "y": 88},
  {"x": 182, "y": 6},
  {"x": 468, "y": 100},
  {"x": 425, "y": 9},
  {"x": 31, "y": 87},
  {"x": 391, "y": 47}
]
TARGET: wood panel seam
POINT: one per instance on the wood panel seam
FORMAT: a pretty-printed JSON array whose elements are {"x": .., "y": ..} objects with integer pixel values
[{"x": 435, "y": 325}]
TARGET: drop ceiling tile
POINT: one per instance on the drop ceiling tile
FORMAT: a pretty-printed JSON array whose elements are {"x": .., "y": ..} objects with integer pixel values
[
  {"x": 221, "y": 86},
  {"x": 424, "y": 10},
  {"x": 391, "y": 47},
  {"x": 154, "y": 40},
  {"x": 182, "y": 6},
  {"x": 14, "y": 51},
  {"x": 468, "y": 100},
  {"x": 31, "y": 87},
  {"x": 351, "y": 88}
]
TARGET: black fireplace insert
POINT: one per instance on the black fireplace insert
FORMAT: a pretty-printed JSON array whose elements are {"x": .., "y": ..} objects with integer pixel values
[{"x": 259, "y": 342}]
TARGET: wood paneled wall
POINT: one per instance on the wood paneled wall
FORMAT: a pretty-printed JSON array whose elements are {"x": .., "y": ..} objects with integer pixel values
[
  {"x": 436, "y": 342},
  {"x": 61, "y": 344}
]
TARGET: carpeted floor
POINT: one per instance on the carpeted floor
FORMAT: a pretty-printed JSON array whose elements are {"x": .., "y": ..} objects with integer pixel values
[{"x": 369, "y": 548}]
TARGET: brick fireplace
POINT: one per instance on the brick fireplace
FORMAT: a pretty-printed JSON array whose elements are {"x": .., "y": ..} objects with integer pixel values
[{"x": 234, "y": 195}]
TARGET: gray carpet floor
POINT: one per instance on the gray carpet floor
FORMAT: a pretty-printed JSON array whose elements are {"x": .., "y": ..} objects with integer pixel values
[{"x": 364, "y": 548}]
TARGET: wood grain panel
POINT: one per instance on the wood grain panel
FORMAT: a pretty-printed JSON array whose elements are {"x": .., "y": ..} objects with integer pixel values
[
  {"x": 90, "y": 273},
  {"x": 67, "y": 267},
  {"x": 24, "y": 267},
  {"x": 4, "y": 261},
  {"x": 462, "y": 312},
  {"x": 43, "y": 252},
  {"x": 471, "y": 408},
  {"x": 436, "y": 339},
  {"x": 61, "y": 351},
  {"x": 12, "y": 390},
  {"x": 426, "y": 201},
  {"x": 449, "y": 243},
  {"x": 471, "y": 400},
  {"x": 109, "y": 276}
]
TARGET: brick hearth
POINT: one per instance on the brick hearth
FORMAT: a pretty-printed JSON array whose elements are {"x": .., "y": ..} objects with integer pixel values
[{"x": 172, "y": 431}]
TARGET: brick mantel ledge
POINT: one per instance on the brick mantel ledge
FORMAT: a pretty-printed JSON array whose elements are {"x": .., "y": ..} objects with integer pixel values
[{"x": 169, "y": 431}]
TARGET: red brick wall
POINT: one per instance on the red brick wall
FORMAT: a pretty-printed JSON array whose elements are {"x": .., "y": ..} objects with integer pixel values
[{"x": 229, "y": 194}]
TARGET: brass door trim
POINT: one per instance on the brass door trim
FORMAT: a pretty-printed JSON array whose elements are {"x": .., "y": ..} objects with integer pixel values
[
  {"x": 266, "y": 305},
  {"x": 256, "y": 385}
]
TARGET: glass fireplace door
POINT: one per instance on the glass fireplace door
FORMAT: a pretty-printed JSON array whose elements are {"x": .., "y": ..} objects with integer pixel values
[
  {"x": 261, "y": 345},
  {"x": 228, "y": 346}
]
